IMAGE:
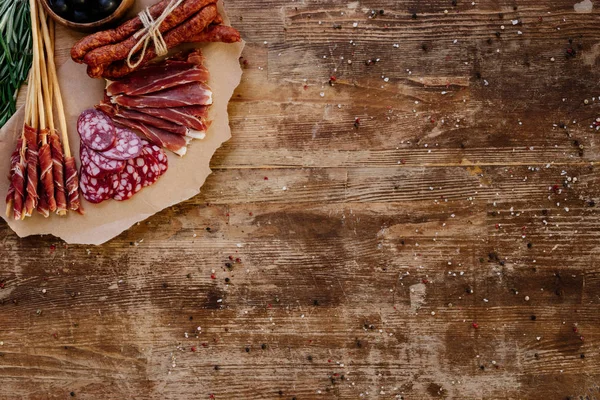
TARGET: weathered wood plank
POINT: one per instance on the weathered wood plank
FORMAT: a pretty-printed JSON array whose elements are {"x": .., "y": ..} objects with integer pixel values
[{"x": 445, "y": 247}]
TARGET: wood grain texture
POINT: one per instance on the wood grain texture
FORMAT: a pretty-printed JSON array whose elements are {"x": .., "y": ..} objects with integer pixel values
[{"x": 446, "y": 247}]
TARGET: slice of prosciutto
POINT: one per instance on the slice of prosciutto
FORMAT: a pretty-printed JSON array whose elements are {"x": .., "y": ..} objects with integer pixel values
[
  {"x": 190, "y": 94},
  {"x": 155, "y": 78},
  {"x": 176, "y": 143},
  {"x": 194, "y": 117},
  {"x": 116, "y": 111}
]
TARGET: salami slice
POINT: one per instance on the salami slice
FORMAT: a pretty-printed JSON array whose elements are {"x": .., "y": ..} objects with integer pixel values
[
  {"x": 106, "y": 164},
  {"x": 95, "y": 190},
  {"x": 87, "y": 165},
  {"x": 127, "y": 146},
  {"x": 129, "y": 182},
  {"x": 160, "y": 156},
  {"x": 96, "y": 130}
]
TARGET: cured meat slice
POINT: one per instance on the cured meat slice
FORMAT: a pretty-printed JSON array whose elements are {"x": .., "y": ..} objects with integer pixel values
[
  {"x": 96, "y": 130},
  {"x": 147, "y": 167},
  {"x": 97, "y": 165},
  {"x": 88, "y": 166},
  {"x": 58, "y": 173},
  {"x": 31, "y": 198},
  {"x": 195, "y": 93},
  {"x": 177, "y": 144},
  {"x": 155, "y": 78},
  {"x": 128, "y": 145},
  {"x": 193, "y": 117},
  {"x": 18, "y": 182},
  {"x": 14, "y": 160},
  {"x": 95, "y": 190},
  {"x": 168, "y": 126},
  {"x": 160, "y": 156},
  {"x": 72, "y": 184},
  {"x": 46, "y": 175},
  {"x": 106, "y": 164},
  {"x": 128, "y": 183}
]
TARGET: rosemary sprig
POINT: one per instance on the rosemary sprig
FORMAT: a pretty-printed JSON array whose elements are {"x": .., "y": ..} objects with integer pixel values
[{"x": 15, "y": 53}]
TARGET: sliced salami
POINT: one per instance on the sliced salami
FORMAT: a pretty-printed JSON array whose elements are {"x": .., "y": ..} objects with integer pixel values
[
  {"x": 88, "y": 166},
  {"x": 96, "y": 130},
  {"x": 127, "y": 146},
  {"x": 128, "y": 183},
  {"x": 105, "y": 163},
  {"x": 95, "y": 190},
  {"x": 160, "y": 156}
]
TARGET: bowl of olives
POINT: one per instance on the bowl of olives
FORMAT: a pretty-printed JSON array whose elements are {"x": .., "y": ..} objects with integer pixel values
[{"x": 87, "y": 15}]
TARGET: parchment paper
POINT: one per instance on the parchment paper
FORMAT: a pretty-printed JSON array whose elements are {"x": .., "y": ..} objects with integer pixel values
[{"x": 183, "y": 179}]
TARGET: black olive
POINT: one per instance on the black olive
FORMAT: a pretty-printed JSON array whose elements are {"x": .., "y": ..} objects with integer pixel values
[
  {"x": 81, "y": 17},
  {"x": 107, "y": 7},
  {"x": 60, "y": 7},
  {"x": 81, "y": 4}
]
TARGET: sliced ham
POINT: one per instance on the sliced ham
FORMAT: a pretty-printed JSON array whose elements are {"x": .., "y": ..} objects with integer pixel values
[
  {"x": 176, "y": 143},
  {"x": 195, "y": 93},
  {"x": 158, "y": 77}
]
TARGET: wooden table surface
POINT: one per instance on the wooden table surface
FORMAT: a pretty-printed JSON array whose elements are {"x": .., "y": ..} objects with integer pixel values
[{"x": 421, "y": 225}]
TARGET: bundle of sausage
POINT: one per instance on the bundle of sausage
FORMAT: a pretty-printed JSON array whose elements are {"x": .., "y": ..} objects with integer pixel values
[
  {"x": 115, "y": 162},
  {"x": 106, "y": 52},
  {"x": 166, "y": 101}
]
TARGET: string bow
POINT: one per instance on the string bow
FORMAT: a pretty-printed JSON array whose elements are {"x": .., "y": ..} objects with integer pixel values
[{"x": 151, "y": 32}]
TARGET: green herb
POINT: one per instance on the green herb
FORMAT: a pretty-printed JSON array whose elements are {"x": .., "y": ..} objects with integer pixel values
[{"x": 15, "y": 53}]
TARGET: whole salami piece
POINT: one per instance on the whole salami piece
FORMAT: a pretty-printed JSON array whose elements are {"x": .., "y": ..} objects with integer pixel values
[
  {"x": 96, "y": 130},
  {"x": 95, "y": 190},
  {"x": 127, "y": 146}
]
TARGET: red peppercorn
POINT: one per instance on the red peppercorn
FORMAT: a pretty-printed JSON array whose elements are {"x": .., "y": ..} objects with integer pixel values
[
  {"x": 238, "y": 260},
  {"x": 332, "y": 78},
  {"x": 231, "y": 258},
  {"x": 266, "y": 178},
  {"x": 213, "y": 276},
  {"x": 475, "y": 325},
  {"x": 193, "y": 348}
]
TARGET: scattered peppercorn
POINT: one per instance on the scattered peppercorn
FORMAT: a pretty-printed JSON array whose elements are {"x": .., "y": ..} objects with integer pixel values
[
  {"x": 228, "y": 265},
  {"x": 72, "y": 394},
  {"x": 309, "y": 358},
  {"x": 263, "y": 346},
  {"x": 414, "y": 16},
  {"x": 533, "y": 317},
  {"x": 316, "y": 302},
  {"x": 247, "y": 349},
  {"x": 217, "y": 367},
  {"x": 529, "y": 245},
  {"x": 582, "y": 355},
  {"x": 227, "y": 280}
]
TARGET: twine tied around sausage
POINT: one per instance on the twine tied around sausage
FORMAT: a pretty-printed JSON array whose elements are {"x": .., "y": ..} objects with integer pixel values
[{"x": 151, "y": 32}]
